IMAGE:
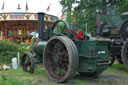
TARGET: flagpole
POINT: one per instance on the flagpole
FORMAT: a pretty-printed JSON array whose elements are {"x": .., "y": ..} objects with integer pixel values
[
  {"x": 48, "y": 8},
  {"x": 26, "y": 6},
  {"x": 3, "y": 6}
]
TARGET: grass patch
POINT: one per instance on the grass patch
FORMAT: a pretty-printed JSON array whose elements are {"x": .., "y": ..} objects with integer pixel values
[
  {"x": 78, "y": 82},
  {"x": 4, "y": 80},
  {"x": 22, "y": 78},
  {"x": 39, "y": 77},
  {"x": 117, "y": 68}
]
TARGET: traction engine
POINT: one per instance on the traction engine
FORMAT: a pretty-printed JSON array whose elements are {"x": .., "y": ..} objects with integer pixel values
[{"x": 64, "y": 52}]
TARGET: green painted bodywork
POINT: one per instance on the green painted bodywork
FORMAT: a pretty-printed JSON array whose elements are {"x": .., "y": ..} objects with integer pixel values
[
  {"x": 93, "y": 56},
  {"x": 93, "y": 53},
  {"x": 40, "y": 47}
]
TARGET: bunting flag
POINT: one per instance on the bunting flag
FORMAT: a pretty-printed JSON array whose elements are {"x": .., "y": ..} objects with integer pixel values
[
  {"x": 48, "y": 8},
  {"x": 18, "y": 6},
  {"x": 2, "y": 6},
  {"x": 26, "y": 6},
  {"x": 62, "y": 16}
]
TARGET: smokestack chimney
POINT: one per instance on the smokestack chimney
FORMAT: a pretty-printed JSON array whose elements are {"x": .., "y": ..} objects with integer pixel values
[
  {"x": 41, "y": 24},
  {"x": 98, "y": 24}
]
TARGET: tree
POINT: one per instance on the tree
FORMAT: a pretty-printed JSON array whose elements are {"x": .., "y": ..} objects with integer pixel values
[{"x": 85, "y": 12}]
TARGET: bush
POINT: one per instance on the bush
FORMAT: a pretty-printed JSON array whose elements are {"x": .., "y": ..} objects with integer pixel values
[
  {"x": 4, "y": 80},
  {"x": 8, "y": 50}
]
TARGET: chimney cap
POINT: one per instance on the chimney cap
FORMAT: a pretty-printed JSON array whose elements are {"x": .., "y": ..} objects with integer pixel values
[{"x": 40, "y": 13}]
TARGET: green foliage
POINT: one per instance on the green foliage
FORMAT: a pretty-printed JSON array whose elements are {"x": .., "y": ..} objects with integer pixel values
[
  {"x": 84, "y": 13},
  {"x": 85, "y": 10},
  {"x": 122, "y": 6},
  {"x": 8, "y": 50}
]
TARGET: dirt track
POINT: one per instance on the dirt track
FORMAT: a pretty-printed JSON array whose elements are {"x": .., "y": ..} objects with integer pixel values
[
  {"x": 115, "y": 75},
  {"x": 104, "y": 79}
]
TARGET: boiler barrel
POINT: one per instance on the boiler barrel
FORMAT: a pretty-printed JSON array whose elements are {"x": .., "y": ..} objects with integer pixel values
[{"x": 39, "y": 47}]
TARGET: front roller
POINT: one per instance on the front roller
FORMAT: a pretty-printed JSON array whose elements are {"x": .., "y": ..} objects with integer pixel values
[
  {"x": 124, "y": 53},
  {"x": 28, "y": 62},
  {"x": 60, "y": 59}
]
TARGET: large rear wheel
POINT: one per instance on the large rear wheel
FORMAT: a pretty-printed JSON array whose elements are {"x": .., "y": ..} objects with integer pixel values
[
  {"x": 60, "y": 59},
  {"x": 124, "y": 53}
]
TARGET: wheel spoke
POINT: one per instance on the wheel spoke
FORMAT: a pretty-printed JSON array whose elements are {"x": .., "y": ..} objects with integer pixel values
[
  {"x": 57, "y": 69},
  {"x": 51, "y": 63},
  {"x": 53, "y": 44},
  {"x": 63, "y": 28},
  {"x": 58, "y": 28},
  {"x": 64, "y": 59},
  {"x": 60, "y": 47},
  {"x": 63, "y": 70},
  {"x": 54, "y": 67},
  {"x": 63, "y": 66},
  {"x": 28, "y": 64},
  {"x": 49, "y": 52}
]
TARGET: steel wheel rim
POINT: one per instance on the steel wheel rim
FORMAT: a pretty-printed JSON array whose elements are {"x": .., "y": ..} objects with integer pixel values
[
  {"x": 126, "y": 51},
  {"x": 26, "y": 63},
  {"x": 123, "y": 31},
  {"x": 57, "y": 59},
  {"x": 73, "y": 59}
]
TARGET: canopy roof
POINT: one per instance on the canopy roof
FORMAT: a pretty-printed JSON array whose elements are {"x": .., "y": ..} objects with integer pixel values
[{"x": 9, "y": 16}]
